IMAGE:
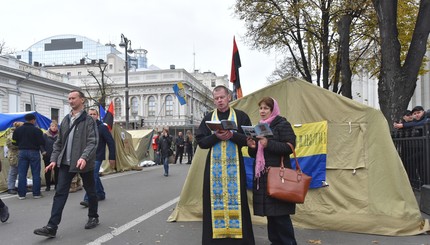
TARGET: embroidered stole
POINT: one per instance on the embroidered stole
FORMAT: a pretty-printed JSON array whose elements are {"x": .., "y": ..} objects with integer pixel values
[{"x": 225, "y": 187}]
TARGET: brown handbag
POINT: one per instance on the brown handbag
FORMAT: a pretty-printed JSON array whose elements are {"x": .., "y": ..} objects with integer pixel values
[{"x": 287, "y": 184}]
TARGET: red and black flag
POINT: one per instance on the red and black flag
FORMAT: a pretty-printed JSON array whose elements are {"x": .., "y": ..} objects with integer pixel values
[
  {"x": 108, "y": 118},
  {"x": 234, "y": 75}
]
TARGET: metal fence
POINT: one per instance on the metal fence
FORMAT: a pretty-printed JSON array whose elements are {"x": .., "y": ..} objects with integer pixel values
[{"x": 413, "y": 146}]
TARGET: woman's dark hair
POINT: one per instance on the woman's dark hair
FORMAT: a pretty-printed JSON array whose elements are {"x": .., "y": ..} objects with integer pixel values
[{"x": 268, "y": 101}]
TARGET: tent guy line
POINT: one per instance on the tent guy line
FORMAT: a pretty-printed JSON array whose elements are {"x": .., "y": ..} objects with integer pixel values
[{"x": 127, "y": 226}]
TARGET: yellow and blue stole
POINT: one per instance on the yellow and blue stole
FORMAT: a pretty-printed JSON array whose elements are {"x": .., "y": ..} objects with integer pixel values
[{"x": 225, "y": 187}]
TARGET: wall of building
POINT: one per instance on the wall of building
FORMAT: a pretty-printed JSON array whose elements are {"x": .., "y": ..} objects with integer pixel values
[{"x": 22, "y": 84}]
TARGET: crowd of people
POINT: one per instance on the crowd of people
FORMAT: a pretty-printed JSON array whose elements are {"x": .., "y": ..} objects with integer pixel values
[{"x": 78, "y": 146}]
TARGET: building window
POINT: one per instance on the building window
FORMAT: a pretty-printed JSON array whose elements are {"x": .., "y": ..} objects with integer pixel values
[
  {"x": 79, "y": 73},
  {"x": 55, "y": 113},
  {"x": 118, "y": 107},
  {"x": 110, "y": 67},
  {"x": 151, "y": 106},
  {"x": 134, "y": 106},
  {"x": 169, "y": 105},
  {"x": 213, "y": 83},
  {"x": 27, "y": 107},
  {"x": 69, "y": 73}
]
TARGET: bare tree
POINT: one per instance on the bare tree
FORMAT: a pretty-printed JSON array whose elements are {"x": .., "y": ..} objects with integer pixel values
[
  {"x": 2, "y": 47},
  {"x": 99, "y": 87}
]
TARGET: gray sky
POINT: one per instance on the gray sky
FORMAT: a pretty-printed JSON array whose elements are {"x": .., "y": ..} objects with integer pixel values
[{"x": 170, "y": 30}]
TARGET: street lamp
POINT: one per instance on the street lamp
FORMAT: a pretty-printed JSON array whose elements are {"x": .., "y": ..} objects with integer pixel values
[{"x": 126, "y": 43}]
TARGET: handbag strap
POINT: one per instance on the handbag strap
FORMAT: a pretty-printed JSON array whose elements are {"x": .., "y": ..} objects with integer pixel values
[{"x": 295, "y": 158}]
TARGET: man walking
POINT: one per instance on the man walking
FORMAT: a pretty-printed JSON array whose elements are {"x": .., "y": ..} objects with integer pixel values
[
  {"x": 105, "y": 138},
  {"x": 74, "y": 152},
  {"x": 29, "y": 140}
]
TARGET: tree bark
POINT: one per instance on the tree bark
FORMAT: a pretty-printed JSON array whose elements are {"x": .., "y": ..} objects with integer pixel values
[
  {"x": 344, "y": 27},
  {"x": 397, "y": 83}
]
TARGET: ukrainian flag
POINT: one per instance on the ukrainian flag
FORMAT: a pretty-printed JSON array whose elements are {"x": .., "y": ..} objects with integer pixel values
[
  {"x": 311, "y": 150},
  {"x": 7, "y": 120},
  {"x": 180, "y": 93}
]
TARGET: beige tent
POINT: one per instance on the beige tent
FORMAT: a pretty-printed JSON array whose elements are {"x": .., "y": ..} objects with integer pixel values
[
  {"x": 142, "y": 142},
  {"x": 368, "y": 192},
  {"x": 132, "y": 147}
]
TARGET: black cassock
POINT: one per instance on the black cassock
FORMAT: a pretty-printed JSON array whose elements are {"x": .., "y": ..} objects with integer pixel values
[{"x": 206, "y": 140}]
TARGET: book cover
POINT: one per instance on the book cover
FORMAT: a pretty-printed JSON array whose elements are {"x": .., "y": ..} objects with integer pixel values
[
  {"x": 223, "y": 124},
  {"x": 261, "y": 129}
]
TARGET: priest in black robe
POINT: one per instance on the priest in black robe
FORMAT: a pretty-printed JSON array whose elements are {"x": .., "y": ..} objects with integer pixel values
[{"x": 226, "y": 216}]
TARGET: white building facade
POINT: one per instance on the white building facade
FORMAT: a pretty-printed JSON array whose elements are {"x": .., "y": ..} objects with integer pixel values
[{"x": 24, "y": 87}]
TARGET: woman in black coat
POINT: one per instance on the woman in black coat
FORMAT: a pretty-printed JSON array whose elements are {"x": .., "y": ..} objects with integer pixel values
[
  {"x": 50, "y": 137},
  {"x": 268, "y": 152}
]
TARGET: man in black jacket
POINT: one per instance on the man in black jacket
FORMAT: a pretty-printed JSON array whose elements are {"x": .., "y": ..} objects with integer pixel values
[
  {"x": 180, "y": 143},
  {"x": 105, "y": 138},
  {"x": 29, "y": 140},
  {"x": 164, "y": 144}
]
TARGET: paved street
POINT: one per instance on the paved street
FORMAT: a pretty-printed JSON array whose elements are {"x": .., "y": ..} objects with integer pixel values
[{"x": 135, "y": 211}]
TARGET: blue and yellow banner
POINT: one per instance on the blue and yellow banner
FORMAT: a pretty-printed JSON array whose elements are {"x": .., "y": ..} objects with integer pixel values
[
  {"x": 311, "y": 150},
  {"x": 7, "y": 120},
  {"x": 180, "y": 93}
]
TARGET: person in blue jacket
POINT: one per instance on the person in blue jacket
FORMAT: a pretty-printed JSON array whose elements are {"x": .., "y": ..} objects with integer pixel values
[
  {"x": 420, "y": 118},
  {"x": 105, "y": 138}
]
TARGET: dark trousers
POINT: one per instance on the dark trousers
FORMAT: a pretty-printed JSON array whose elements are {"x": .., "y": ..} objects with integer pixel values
[
  {"x": 48, "y": 174},
  {"x": 179, "y": 153},
  {"x": 62, "y": 193},
  {"x": 190, "y": 153},
  {"x": 280, "y": 230}
]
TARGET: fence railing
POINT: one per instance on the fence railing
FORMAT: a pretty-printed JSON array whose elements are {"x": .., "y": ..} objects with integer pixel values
[{"x": 413, "y": 146}]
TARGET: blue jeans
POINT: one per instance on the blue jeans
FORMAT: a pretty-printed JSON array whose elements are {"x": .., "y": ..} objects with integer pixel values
[
  {"x": 166, "y": 165},
  {"x": 62, "y": 193},
  {"x": 26, "y": 159},
  {"x": 100, "y": 191},
  {"x": 11, "y": 178}
]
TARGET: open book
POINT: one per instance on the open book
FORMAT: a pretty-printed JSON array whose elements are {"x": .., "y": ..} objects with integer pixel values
[
  {"x": 261, "y": 129},
  {"x": 223, "y": 124}
]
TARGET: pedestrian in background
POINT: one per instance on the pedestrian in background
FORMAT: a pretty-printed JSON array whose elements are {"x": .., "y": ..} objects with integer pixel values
[
  {"x": 189, "y": 146},
  {"x": 164, "y": 144},
  {"x": 105, "y": 138},
  {"x": 29, "y": 140},
  {"x": 180, "y": 144},
  {"x": 74, "y": 152},
  {"x": 268, "y": 151},
  {"x": 155, "y": 148},
  {"x": 12, "y": 155},
  {"x": 50, "y": 137}
]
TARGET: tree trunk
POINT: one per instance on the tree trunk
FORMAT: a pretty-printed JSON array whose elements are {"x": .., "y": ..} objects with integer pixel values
[
  {"x": 344, "y": 27},
  {"x": 325, "y": 19},
  {"x": 396, "y": 83}
]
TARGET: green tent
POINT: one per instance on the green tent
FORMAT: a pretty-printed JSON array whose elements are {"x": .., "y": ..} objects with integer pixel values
[{"x": 368, "y": 192}]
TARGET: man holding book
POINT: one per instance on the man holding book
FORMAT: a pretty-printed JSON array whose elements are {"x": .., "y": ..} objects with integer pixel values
[{"x": 226, "y": 216}]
